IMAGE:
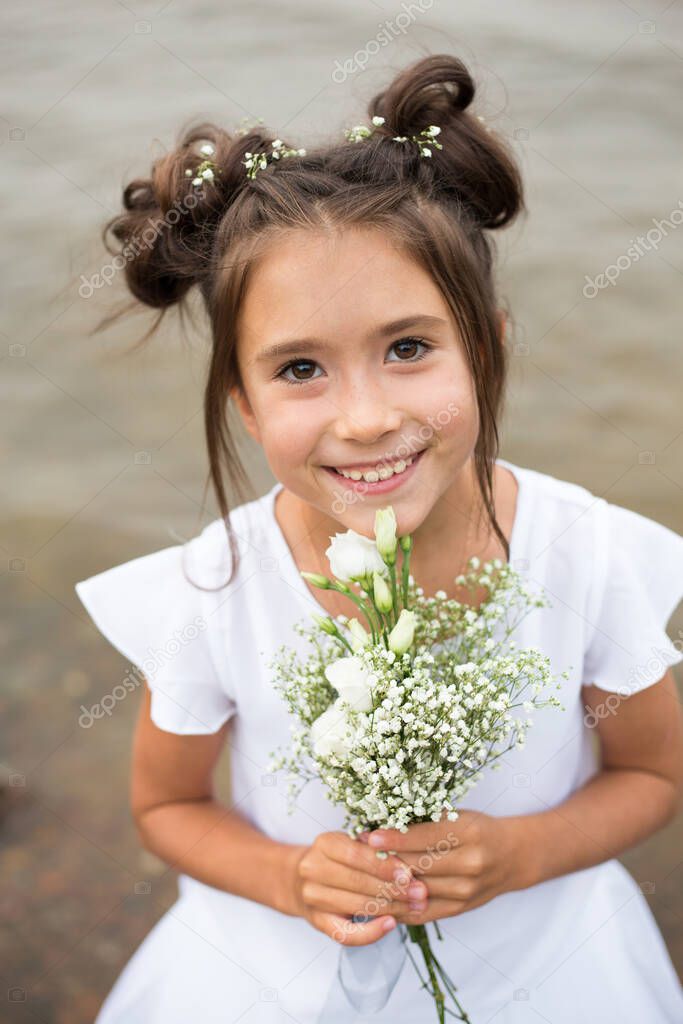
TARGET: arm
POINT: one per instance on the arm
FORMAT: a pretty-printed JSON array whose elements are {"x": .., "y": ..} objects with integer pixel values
[
  {"x": 637, "y": 791},
  {"x": 178, "y": 819}
]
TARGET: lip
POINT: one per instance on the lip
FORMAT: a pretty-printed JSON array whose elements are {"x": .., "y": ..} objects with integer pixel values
[
  {"x": 381, "y": 486},
  {"x": 367, "y": 466}
]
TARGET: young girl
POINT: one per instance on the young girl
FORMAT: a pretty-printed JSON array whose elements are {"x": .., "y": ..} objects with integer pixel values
[{"x": 356, "y": 328}]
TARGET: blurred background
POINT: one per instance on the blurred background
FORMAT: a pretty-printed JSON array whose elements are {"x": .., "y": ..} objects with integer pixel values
[{"x": 103, "y": 451}]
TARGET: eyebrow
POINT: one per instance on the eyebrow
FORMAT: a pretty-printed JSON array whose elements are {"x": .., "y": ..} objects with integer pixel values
[{"x": 296, "y": 345}]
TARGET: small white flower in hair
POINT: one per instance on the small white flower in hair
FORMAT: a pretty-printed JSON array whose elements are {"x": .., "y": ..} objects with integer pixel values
[
  {"x": 255, "y": 162},
  {"x": 361, "y": 131},
  {"x": 207, "y": 169},
  {"x": 425, "y": 139}
]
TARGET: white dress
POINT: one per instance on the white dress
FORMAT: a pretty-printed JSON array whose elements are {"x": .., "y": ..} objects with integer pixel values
[{"x": 582, "y": 947}]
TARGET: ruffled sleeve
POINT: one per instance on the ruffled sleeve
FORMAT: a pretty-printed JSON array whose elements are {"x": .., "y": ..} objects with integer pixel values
[
  {"x": 637, "y": 570},
  {"x": 162, "y": 623}
]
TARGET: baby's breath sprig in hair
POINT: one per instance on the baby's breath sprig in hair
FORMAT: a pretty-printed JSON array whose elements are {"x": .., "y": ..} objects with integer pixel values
[
  {"x": 425, "y": 139},
  {"x": 255, "y": 162},
  {"x": 207, "y": 169},
  {"x": 361, "y": 131}
]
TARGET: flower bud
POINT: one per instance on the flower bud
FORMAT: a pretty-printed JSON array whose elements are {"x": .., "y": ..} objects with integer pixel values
[
  {"x": 401, "y": 636},
  {"x": 317, "y": 580},
  {"x": 385, "y": 534},
  {"x": 326, "y": 624},
  {"x": 383, "y": 599},
  {"x": 359, "y": 636}
]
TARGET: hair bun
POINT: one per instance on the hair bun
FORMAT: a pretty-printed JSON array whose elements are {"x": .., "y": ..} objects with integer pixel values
[
  {"x": 474, "y": 166},
  {"x": 166, "y": 226},
  {"x": 431, "y": 91}
]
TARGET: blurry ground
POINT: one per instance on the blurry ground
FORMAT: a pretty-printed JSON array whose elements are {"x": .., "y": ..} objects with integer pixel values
[{"x": 103, "y": 456}]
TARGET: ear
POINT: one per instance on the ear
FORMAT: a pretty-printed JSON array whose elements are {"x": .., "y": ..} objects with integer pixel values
[{"x": 246, "y": 412}]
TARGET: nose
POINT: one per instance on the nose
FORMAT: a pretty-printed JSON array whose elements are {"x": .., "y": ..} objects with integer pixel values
[{"x": 365, "y": 413}]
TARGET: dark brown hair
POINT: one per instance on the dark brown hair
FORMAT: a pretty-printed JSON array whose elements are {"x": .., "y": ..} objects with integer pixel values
[{"x": 438, "y": 210}]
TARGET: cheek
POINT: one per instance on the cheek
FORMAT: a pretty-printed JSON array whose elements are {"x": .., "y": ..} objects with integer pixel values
[
  {"x": 447, "y": 406},
  {"x": 288, "y": 435}
]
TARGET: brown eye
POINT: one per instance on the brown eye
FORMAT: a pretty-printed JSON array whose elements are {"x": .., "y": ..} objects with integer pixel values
[
  {"x": 292, "y": 366},
  {"x": 407, "y": 346},
  {"x": 407, "y": 349}
]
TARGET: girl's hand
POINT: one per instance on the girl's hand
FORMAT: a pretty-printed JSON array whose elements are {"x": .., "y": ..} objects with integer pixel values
[
  {"x": 337, "y": 876},
  {"x": 463, "y": 863}
]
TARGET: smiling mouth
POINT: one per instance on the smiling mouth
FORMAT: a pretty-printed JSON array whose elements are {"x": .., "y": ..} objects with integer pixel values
[{"x": 382, "y": 471}]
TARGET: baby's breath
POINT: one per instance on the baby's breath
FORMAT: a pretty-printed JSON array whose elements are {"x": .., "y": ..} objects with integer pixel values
[{"x": 440, "y": 714}]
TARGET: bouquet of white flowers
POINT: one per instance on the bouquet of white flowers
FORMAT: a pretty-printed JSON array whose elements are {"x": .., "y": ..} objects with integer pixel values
[{"x": 420, "y": 702}]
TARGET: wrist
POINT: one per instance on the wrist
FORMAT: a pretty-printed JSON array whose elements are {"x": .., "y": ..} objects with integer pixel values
[
  {"x": 526, "y": 850},
  {"x": 288, "y": 894}
]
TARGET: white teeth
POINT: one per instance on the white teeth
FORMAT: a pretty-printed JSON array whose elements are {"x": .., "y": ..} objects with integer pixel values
[{"x": 373, "y": 475}]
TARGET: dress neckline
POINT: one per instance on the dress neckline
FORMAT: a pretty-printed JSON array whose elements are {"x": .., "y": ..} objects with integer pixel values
[{"x": 291, "y": 573}]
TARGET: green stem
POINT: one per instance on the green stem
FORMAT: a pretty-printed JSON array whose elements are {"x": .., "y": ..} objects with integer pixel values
[
  {"x": 405, "y": 572},
  {"x": 361, "y": 604},
  {"x": 345, "y": 642},
  {"x": 418, "y": 934},
  {"x": 394, "y": 595},
  {"x": 378, "y": 623},
  {"x": 450, "y": 987}
]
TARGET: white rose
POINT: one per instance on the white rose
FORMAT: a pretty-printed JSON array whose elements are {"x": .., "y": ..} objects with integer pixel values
[
  {"x": 352, "y": 681},
  {"x": 330, "y": 731},
  {"x": 353, "y": 556}
]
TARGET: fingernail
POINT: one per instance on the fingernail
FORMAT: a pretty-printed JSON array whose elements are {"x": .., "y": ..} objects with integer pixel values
[
  {"x": 417, "y": 906},
  {"x": 416, "y": 890},
  {"x": 376, "y": 840},
  {"x": 388, "y": 924}
]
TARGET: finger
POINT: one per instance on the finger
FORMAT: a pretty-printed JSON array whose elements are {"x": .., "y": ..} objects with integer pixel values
[
  {"x": 349, "y": 933},
  {"x": 428, "y": 833},
  {"x": 456, "y": 888},
  {"x": 340, "y": 901},
  {"x": 434, "y": 864},
  {"x": 339, "y": 847},
  {"x": 417, "y": 837},
  {"x": 402, "y": 886},
  {"x": 434, "y": 911}
]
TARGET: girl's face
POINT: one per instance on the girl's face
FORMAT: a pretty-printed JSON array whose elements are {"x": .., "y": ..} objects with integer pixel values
[{"x": 350, "y": 359}]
